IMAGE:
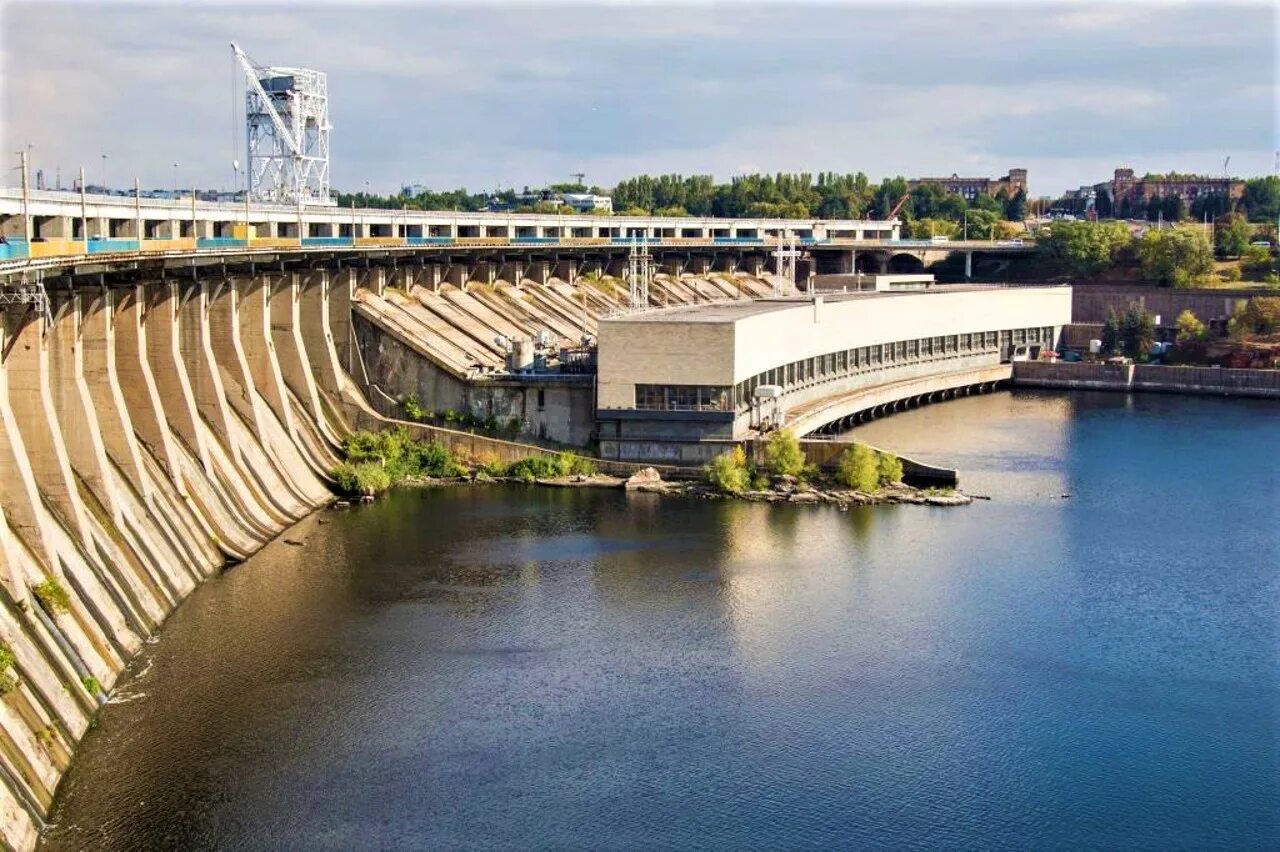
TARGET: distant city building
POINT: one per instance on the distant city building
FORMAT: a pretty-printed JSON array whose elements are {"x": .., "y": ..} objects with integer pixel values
[
  {"x": 413, "y": 190},
  {"x": 971, "y": 187},
  {"x": 586, "y": 202},
  {"x": 1138, "y": 191}
]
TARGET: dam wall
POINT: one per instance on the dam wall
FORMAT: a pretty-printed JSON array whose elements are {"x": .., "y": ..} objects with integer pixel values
[{"x": 151, "y": 431}]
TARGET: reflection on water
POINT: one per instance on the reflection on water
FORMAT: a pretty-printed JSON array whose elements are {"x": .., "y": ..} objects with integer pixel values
[{"x": 512, "y": 667}]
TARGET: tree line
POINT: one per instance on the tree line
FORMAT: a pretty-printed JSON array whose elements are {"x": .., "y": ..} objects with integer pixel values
[
  {"x": 925, "y": 209},
  {"x": 1178, "y": 256}
]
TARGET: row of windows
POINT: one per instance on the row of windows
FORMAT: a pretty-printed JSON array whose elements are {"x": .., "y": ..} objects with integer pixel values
[
  {"x": 836, "y": 365},
  {"x": 682, "y": 398}
]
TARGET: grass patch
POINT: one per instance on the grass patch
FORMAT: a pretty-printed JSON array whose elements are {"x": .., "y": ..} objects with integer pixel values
[{"x": 52, "y": 595}]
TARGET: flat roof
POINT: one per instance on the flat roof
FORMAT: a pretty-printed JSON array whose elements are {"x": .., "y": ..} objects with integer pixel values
[{"x": 728, "y": 312}]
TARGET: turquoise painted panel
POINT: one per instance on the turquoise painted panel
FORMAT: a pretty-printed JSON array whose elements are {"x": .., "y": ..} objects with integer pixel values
[
  {"x": 13, "y": 250},
  {"x": 220, "y": 243},
  {"x": 327, "y": 241},
  {"x": 98, "y": 246}
]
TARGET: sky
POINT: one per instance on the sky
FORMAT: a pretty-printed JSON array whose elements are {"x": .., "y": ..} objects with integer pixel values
[{"x": 484, "y": 95}]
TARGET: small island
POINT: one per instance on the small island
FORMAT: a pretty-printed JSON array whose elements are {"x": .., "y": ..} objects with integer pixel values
[{"x": 862, "y": 475}]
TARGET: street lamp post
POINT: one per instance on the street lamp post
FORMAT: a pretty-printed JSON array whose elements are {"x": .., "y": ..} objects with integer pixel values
[
  {"x": 104, "y": 172},
  {"x": 175, "y": 180}
]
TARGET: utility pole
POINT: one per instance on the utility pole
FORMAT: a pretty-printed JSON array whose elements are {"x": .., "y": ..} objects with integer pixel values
[
  {"x": 84, "y": 218},
  {"x": 26, "y": 199},
  {"x": 137, "y": 211}
]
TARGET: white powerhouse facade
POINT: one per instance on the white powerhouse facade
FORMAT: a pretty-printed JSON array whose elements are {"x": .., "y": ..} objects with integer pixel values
[{"x": 675, "y": 384}]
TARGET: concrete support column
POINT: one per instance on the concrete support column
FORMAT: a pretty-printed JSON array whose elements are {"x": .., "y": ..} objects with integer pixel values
[
  {"x": 968, "y": 264},
  {"x": 73, "y": 406},
  {"x": 115, "y": 426},
  {"x": 162, "y": 330},
  {"x": 431, "y": 276},
  {"x": 697, "y": 264},
  {"x": 566, "y": 270},
  {"x": 457, "y": 274},
  {"x": 513, "y": 271},
  {"x": 142, "y": 399},
  {"x": 19, "y": 496},
  {"x": 286, "y": 334},
  {"x": 484, "y": 272},
  {"x": 538, "y": 271}
]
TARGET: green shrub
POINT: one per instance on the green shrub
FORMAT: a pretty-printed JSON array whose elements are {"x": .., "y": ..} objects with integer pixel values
[
  {"x": 413, "y": 407},
  {"x": 572, "y": 465},
  {"x": 367, "y": 478},
  {"x": 858, "y": 468},
  {"x": 52, "y": 595},
  {"x": 729, "y": 471},
  {"x": 783, "y": 456},
  {"x": 513, "y": 426},
  {"x": 889, "y": 468},
  {"x": 535, "y": 467},
  {"x": 91, "y": 685}
]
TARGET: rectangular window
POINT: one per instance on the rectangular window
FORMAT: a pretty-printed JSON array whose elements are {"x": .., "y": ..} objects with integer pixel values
[
  {"x": 542, "y": 399},
  {"x": 683, "y": 397}
]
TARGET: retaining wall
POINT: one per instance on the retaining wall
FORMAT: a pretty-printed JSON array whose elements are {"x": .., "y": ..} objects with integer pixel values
[{"x": 1147, "y": 377}]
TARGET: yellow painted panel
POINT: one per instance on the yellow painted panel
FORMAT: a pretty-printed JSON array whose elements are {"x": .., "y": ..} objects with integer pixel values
[
  {"x": 181, "y": 244},
  {"x": 275, "y": 242},
  {"x": 239, "y": 232},
  {"x": 483, "y": 241},
  {"x": 51, "y": 248},
  {"x": 379, "y": 241},
  {"x": 586, "y": 241}
]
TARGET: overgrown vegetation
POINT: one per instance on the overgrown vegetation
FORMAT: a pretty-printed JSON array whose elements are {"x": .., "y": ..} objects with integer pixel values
[
  {"x": 52, "y": 595},
  {"x": 375, "y": 461},
  {"x": 91, "y": 685},
  {"x": 534, "y": 468},
  {"x": 8, "y": 678},
  {"x": 1259, "y": 315}
]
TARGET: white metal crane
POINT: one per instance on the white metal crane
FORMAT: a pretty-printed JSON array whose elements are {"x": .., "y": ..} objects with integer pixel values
[{"x": 287, "y": 133}]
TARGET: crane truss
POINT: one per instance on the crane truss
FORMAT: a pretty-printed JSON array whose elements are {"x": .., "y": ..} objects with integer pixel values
[{"x": 287, "y": 133}]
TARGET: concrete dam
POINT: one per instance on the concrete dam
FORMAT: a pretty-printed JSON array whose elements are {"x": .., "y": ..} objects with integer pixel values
[{"x": 150, "y": 432}]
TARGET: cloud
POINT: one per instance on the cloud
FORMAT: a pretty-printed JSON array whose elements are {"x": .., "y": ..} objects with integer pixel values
[{"x": 526, "y": 93}]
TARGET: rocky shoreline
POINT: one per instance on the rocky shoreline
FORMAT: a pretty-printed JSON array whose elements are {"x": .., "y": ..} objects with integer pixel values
[{"x": 784, "y": 489}]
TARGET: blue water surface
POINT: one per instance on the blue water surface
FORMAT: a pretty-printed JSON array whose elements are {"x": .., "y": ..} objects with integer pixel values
[{"x": 1088, "y": 660}]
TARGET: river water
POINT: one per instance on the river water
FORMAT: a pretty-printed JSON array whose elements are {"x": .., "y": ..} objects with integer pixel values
[{"x": 1091, "y": 659}]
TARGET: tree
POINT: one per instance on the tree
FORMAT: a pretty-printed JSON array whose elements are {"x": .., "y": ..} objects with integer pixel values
[
  {"x": 1111, "y": 333},
  {"x": 1137, "y": 331},
  {"x": 1189, "y": 327},
  {"x": 1231, "y": 235},
  {"x": 1083, "y": 249},
  {"x": 1261, "y": 198},
  {"x": 783, "y": 455},
  {"x": 1175, "y": 257},
  {"x": 858, "y": 468},
  {"x": 729, "y": 472},
  {"x": 1015, "y": 209},
  {"x": 1174, "y": 207}
]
